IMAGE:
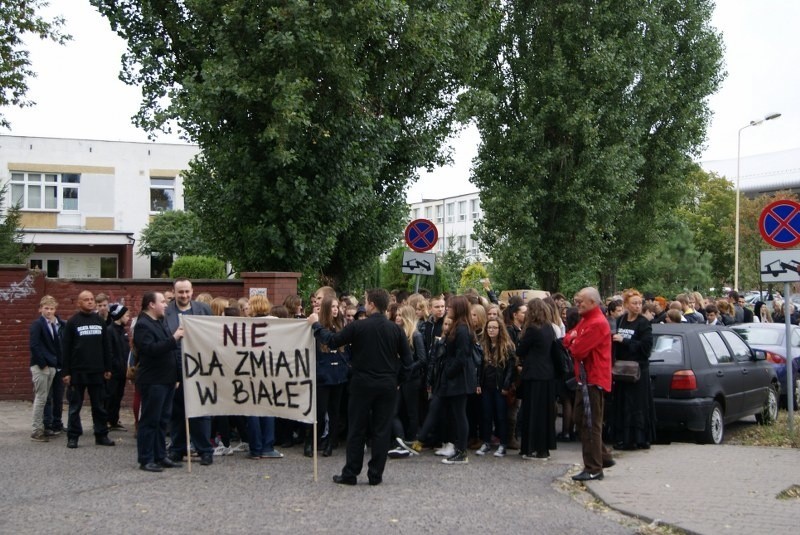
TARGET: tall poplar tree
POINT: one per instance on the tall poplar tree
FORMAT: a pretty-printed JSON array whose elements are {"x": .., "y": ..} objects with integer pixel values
[{"x": 589, "y": 112}]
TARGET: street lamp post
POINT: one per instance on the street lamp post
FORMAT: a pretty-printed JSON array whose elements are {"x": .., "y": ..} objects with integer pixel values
[{"x": 736, "y": 223}]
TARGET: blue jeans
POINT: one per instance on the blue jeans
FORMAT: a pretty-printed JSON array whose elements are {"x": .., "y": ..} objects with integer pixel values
[
  {"x": 261, "y": 431},
  {"x": 156, "y": 411},
  {"x": 494, "y": 409}
]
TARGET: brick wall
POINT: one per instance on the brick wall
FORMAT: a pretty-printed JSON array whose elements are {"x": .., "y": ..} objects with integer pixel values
[{"x": 21, "y": 290}]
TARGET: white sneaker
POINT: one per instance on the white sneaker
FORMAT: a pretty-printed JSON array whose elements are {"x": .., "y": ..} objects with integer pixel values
[
  {"x": 223, "y": 450},
  {"x": 501, "y": 451},
  {"x": 448, "y": 449},
  {"x": 483, "y": 450},
  {"x": 241, "y": 446}
]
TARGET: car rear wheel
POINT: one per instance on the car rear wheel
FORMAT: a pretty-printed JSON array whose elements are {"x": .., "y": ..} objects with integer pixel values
[
  {"x": 715, "y": 426},
  {"x": 769, "y": 412}
]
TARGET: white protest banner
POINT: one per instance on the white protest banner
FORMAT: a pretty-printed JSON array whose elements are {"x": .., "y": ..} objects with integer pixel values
[{"x": 249, "y": 366}]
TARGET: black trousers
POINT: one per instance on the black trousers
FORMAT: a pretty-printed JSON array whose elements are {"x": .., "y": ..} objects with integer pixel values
[
  {"x": 370, "y": 407},
  {"x": 115, "y": 390},
  {"x": 99, "y": 417},
  {"x": 199, "y": 429}
]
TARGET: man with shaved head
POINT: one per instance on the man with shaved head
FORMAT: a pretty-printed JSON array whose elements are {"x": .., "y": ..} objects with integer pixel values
[
  {"x": 86, "y": 349},
  {"x": 590, "y": 345}
]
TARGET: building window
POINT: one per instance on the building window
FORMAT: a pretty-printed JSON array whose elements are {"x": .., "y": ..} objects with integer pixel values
[
  {"x": 416, "y": 213},
  {"x": 162, "y": 194},
  {"x": 428, "y": 213},
  {"x": 462, "y": 242},
  {"x": 159, "y": 266},
  {"x": 474, "y": 207},
  {"x": 45, "y": 191},
  {"x": 438, "y": 213},
  {"x": 108, "y": 267},
  {"x": 462, "y": 210},
  {"x": 451, "y": 207}
]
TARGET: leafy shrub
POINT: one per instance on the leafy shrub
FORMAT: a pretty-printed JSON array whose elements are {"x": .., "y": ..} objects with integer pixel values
[{"x": 198, "y": 267}]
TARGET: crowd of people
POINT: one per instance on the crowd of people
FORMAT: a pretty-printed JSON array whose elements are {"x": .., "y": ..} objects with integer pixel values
[{"x": 451, "y": 373}]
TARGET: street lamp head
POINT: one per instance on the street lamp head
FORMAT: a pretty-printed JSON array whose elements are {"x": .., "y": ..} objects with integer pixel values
[{"x": 772, "y": 116}]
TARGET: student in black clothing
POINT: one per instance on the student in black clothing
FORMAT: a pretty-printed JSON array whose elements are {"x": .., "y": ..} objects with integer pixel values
[
  {"x": 379, "y": 353},
  {"x": 87, "y": 365},
  {"x": 120, "y": 348}
]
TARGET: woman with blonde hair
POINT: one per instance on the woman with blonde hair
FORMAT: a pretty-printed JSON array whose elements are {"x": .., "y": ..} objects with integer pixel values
[
  {"x": 633, "y": 415},
  {"x": 408, "y": 391},
  {"x": 261, "y": 429},
  {"x": 218, "y": 305}
]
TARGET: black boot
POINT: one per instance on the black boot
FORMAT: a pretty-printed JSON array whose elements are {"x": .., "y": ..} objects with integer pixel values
[
  {"x": 308, "y": 447},
  {"x": 328, "y": 451}
]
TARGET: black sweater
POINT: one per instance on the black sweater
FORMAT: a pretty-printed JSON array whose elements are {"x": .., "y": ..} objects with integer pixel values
[
  {"x": 154, "y": 347},
  {"x": 86, "y": 347}
]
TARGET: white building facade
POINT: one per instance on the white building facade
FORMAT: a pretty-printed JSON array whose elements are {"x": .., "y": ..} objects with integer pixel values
[
  {"x": 455, "y": 219},
  {"x": 84, "y": 203}
]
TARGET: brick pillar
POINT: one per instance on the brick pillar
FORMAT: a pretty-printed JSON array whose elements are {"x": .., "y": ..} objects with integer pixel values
[
  {"x": 279, "y": 284},
  {"x": 20, "y": 292}
]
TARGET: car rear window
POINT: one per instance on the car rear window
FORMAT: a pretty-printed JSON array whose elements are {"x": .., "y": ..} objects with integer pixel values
[
  {"x": 667, "y": 348},
  {"x": 761, "y": 336}
]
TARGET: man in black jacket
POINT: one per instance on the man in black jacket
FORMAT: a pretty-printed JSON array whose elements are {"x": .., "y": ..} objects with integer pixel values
[
  {"x": 87, "y": 365},
  {"x": 199, "y": 428},
  {"x": 380, "y": 353}
]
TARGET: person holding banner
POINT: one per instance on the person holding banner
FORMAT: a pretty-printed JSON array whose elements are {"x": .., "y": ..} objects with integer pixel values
[
  {"x": 199, "y": 428},
  {"x": 379, "y": 354},
  {"x": 156, "y": 378}
]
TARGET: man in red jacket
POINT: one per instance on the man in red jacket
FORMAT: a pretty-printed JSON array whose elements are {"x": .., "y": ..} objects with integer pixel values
[{"x": 590, "y": 345}]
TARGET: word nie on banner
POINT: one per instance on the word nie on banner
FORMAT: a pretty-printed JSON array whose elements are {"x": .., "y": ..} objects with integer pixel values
[{"x": 249, "y": 366}]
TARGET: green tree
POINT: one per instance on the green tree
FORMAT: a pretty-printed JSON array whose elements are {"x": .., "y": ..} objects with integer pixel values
[
  {"x": 392, "y": 275},
  {"x": 173, "y": 233},
  {"x": 673, "y": 266},
  {"x": 710, "y": 217},
  {"x": 453, "y": 262},
  {"x": 471, "y": 277},
  {"x": 312, "y": 117},
  {"x": 20, "y": 18},
  {"x": 589, "y": 113},
  {"x": 12, "y": 250}
]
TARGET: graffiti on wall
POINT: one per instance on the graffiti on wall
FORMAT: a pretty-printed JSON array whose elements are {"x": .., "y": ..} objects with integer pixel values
[{"x": 18, "y": 290}]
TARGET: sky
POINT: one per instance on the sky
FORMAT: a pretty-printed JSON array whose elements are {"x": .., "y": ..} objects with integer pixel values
[{"x": 78, "y": 93}]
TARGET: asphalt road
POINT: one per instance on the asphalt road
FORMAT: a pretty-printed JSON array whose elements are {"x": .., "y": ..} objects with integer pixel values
[{"x": 49, "y": 488}]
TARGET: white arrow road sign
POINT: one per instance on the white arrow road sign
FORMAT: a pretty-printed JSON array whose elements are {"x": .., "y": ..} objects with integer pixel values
[
  {"x": 780, "y": 266},
  {"x": 415, "y": 263}
]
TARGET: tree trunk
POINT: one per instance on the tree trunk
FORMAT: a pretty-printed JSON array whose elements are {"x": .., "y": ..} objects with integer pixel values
[{"x": 608, "y": 283}]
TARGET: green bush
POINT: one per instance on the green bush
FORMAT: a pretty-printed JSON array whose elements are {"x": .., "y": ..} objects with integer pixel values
[
  {"x": 198, "y": 267},
  {"x": 471, "y": 277}
]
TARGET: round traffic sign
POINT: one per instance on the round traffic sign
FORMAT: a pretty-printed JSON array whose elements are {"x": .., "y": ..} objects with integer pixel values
[
  {"x": 779, "y": 223},
  {"x": 421, "y": 235}
]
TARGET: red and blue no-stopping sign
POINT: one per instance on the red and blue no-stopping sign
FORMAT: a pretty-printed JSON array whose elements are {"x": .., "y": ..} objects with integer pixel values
[
  {"x": 779, "y": 223},
  {"x": 421, "y": 235}
]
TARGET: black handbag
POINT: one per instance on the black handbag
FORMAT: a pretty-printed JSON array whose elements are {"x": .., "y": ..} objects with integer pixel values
[
  {"x": 562, "y": 360},
  {"x": 626, "y": 371}
]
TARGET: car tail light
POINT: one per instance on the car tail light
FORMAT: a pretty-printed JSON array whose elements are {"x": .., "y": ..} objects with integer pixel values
[
  {"x": 683, "y": 380},
  {"x": 775, "y": 358}
]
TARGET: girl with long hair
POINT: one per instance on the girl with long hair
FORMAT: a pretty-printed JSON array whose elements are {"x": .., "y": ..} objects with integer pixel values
[
  {"x": 408, "y": 391},
  {"x": 496, "y": 375},
  {"x": 332, "y": 367}
]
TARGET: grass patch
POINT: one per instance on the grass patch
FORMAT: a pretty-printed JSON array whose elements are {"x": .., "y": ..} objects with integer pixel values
[
  {"x": 775, "y": 435},
  {"x": 792, "y": 493}
]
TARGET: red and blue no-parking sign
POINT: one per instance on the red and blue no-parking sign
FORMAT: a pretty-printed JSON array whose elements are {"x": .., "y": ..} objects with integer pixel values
[
  {"x": 779, "y": 223},
  {"x": 421, "y": 235}
]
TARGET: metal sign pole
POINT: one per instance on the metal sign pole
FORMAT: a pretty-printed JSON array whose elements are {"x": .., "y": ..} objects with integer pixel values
[{"x": 789, "y": 359}]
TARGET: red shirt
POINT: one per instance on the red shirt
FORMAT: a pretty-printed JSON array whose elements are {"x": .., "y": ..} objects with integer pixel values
[{"x": 591, "y": 344}]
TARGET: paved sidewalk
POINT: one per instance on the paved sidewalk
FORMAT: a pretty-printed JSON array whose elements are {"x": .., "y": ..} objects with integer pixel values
[
  {"x": 702, "y": 489},
  {"x": 706, "y": 489}
]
